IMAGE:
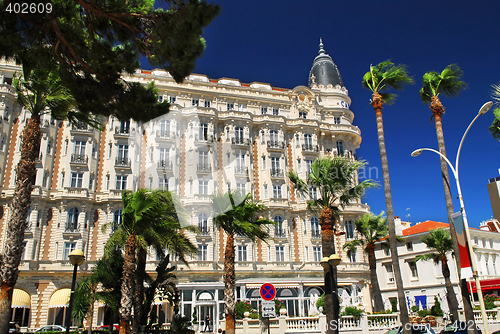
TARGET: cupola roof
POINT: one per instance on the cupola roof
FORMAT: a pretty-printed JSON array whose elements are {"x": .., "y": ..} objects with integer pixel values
[{"x": 324, "y": 71}]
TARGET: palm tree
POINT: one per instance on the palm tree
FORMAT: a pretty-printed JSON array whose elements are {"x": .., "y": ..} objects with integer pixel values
[
  {"x": 380, "y": 79},
  {"x": 164, "y": 235},
  {"x": 147, "y": 220},
  {"x": 236, "y": 214},
  {"x": 38, "y": 92},
  {"x": 372, "y": 230},
  {"x": 495, "y": 126},
  {"x": 336, "y": 182},
  {"x": 102, "y": 285},
  {"x": 449, "y": 84},
  {"x": 440, "y": 243}
]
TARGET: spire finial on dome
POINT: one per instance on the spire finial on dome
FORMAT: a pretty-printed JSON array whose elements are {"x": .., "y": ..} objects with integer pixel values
[{"x": 321, "y": 50}]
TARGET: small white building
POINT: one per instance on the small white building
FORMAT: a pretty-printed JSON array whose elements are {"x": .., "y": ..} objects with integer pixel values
[{"x": 423, "y": 280}]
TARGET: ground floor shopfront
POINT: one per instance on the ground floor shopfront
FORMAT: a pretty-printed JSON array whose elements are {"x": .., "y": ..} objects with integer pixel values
[{"x": 39, "y": 302}]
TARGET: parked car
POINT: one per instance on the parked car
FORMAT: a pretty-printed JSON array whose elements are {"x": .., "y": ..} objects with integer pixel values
[
  {"x": 415, "y": 329},
  {"x": 106, "y": 328},
  {"x": 14, "y": 327},
  {"x": 459, "y": 327},
  {"x": 51, "y": 328}
]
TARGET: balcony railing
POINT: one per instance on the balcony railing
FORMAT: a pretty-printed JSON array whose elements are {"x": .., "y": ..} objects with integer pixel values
[
  {"x": 310, "y": 148},
  {"x": 278, "y": 145},
  {"x": 240, "y": 141},
  {"x": 165, "y": 134},
  {"x": 79, "y": 159},
  {"x": 164, "y": 164},
  {"x": 316, "y": 234},
  {"x": 204, "y": 230},
  {"x": 124, "y": 132},
  {"x": 71, "y": 228},
  {"x": 122, "y": 162},
  {"x": 81, "y": 128},
  {"x": 203, "y": 138},
  {"x": 277, "y": 173},
  {"x": 279, "y": 234},
  {"x": 204, "y": 168},
  {"x": 241, "y": 170}
]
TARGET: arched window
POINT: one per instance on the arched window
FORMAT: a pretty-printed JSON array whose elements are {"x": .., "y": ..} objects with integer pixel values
[
  {"x": 340, "y": 148},
  {"x": 165, "y": 128},
  {"x": 117, "y": 219},
  {"x": 274, "y": 136},
  {"x": 308, "y": 140},
  {"x": 72, "y": 223},
  {"x": 203, "y": 131},
  {"x": 238, "y": 134},
  {"x": 278, "y": 228},
  {"x": 203, "y": 223},
  {"x": 315, "y": 230}
]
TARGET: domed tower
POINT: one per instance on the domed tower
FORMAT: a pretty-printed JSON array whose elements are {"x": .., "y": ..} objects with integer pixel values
[{"x": 324, "y": 72}]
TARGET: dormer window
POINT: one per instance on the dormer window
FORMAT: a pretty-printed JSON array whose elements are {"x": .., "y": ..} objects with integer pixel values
[{"x": 302, "y": 114}]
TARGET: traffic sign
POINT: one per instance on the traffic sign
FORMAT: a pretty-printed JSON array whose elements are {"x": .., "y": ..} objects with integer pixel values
[
  {"x": 268, "y": 309},
  {"x": 267, "y": 291}
]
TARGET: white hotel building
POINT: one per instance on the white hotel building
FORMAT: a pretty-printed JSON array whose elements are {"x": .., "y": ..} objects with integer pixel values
[{"x": 220, "y": 134}]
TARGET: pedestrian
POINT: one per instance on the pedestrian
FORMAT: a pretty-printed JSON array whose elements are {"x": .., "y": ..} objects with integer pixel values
[{"x": 207, "y": 323}]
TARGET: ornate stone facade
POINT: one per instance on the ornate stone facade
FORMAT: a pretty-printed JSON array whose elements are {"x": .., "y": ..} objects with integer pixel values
[{"x": 220, "y": 134}]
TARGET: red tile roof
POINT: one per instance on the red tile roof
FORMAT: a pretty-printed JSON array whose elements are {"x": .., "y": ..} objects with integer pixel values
[{"x": 424, "y": 227}]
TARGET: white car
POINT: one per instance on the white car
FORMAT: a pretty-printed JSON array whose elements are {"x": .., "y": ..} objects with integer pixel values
[{"x": 51, "y": 328}]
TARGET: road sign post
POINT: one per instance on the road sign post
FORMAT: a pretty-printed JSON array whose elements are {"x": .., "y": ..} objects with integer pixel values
[{"x": 268, "y": 292}]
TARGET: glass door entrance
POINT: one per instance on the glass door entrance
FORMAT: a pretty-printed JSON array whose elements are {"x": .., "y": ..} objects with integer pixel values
[{"x": 206, "y": 323}]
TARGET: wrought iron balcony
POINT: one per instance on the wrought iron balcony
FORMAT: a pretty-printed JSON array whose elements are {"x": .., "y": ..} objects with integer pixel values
[
  {"x": 310, "y": 148},
  {"x": 316, "y": 234},
  {"x": 240, "y": 141},
  {"x": 204, "y": 168},
  {"x": 122, "y": 162},
  {"x": 279, "y": 233},
  {"x": 240, "y": 170},
  {"x": 81, "y": 127},
  {"x": 164, "y": 134},
  {"x": 165, "y": 164},
  {"x": 45, "y": 125},
  {"x": 71, "y": 228},
  {"x": 203, "y": 138},
  {"x": 277, "y": 173},
  {"x": 79, "y": 159},
  {"x": 274, "y": 144},
  {"x": 204, "y": 230}
]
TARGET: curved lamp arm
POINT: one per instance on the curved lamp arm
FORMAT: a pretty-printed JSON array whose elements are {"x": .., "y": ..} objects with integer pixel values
[
  {"x": 418, "y": 151},
  {"x": 483, "y": 110}
]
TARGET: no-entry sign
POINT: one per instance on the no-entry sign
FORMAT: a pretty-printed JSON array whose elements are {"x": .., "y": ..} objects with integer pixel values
[{"x": 267, "y": 291}]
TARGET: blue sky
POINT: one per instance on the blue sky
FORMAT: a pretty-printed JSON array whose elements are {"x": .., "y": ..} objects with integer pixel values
[{"x": 276, "y": 42}]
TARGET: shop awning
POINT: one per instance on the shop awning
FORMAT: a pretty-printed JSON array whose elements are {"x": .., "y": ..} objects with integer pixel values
[
  {"x": 21, "y": 299},
  {"x": 486, "y": 285},
  {"x": 60, "y": 298}
]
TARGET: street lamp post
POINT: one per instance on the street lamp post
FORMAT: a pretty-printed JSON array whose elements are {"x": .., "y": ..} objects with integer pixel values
[
  {"x": 484, "y": 109},
  {"x": 76, "y": 258},
  {"x": 330, "y": 265}
]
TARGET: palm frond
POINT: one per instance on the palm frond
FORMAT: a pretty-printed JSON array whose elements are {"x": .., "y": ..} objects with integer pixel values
[{"x": 386, "y": 76}]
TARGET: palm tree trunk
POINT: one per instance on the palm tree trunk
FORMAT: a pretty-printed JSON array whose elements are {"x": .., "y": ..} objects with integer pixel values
[
  {"x": 127, "y": 288},
  {"x": 404, "y": 317},
  {"x": 139, "y": 291},
  {"x": 13, "y": 249},
  {"x": 229, "y": 284},
  {"x": 327, "y": 221},
  {"x": 376, "y": 295},
  {"x": 437, "y": 110},
  {"x": 450, "y": 293}
]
